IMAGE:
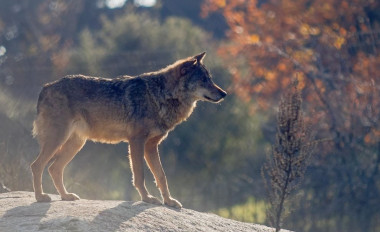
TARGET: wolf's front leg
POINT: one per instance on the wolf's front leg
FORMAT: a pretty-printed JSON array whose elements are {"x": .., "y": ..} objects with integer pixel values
[
  {"x": 153, "y": 159},
  {"x": 136, "y": 154}
]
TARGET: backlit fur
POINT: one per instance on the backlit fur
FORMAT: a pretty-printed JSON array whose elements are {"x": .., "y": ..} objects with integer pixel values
[{"x": 140, "y": 110}]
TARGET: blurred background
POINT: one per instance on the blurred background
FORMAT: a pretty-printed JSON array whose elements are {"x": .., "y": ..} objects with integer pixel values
[{"x": 213, "y": 161}]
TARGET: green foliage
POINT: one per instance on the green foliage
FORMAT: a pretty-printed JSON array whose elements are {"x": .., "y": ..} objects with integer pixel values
[
  {"x": 135, "y": 43},
  {"x": 250, "y": 211}
]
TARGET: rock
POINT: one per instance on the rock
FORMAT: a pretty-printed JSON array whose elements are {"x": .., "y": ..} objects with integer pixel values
[{"x": 20, "y": 212}]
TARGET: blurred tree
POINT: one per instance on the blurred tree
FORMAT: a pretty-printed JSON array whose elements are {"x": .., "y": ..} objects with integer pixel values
[
  {"x": 333, "y": 46},
  {"x": 37, "y": 35}
]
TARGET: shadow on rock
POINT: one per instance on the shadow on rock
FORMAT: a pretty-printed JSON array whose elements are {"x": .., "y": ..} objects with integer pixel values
[
  {"x": 125, "y": 211},
  {"x": 29, "y": 216}
]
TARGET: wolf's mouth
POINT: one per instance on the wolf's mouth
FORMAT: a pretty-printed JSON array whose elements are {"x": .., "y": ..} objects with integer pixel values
[{"x": 210, "y": 99}]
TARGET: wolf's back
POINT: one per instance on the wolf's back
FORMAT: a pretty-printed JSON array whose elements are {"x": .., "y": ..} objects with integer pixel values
[{"x": 94, "y": 99}]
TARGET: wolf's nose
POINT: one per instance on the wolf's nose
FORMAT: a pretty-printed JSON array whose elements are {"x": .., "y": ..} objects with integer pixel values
[{"x": 223, "y": 93}]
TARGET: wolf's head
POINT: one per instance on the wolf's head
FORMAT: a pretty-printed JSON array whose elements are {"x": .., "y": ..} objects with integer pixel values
[{"x": 197, "y": 82}]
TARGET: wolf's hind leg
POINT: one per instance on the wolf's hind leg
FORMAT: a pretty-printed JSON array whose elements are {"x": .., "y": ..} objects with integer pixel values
[
  {"x": 49, "y": 146},
  {"x": 62, "y": 158},
  {"x": 153, "y": 159},
  {"x": 136, "y": 150}
]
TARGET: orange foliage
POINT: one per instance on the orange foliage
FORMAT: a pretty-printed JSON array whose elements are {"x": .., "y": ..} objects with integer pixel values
[{"x": 323, "y": 42}]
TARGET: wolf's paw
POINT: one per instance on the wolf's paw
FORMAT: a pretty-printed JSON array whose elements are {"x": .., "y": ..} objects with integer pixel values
[
  {"x": 70, "y": 197},
  {"x": 173, "y": 203},
  {"x": 152, "y": 200},
  {"x": 43, "y": 198}
]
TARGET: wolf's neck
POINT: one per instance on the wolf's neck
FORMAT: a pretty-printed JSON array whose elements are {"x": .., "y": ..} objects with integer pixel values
[
  {"x": 175, "y": 111},
  {"x": 172, "y": 102}
]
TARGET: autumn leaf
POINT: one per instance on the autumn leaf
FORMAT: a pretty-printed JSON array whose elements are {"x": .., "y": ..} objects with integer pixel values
[
  {"x": 339, "y": 41},
  {"x": 254, "y": 39}
]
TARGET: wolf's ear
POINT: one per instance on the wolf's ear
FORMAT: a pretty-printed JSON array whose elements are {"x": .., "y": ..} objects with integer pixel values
[
  {"x": 187, "y": 65},
  {"x": 200, "y": 57}
]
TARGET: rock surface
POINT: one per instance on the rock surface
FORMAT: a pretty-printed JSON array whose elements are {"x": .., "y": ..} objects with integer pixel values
[{"x": 20, "y": 212}]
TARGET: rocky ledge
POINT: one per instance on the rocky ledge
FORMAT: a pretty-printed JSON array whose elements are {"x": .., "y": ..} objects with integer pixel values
[{"x": 20, "y": 212}]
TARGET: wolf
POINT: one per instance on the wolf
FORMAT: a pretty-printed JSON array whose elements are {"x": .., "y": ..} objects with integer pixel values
[{"x": 140, "y": 110}]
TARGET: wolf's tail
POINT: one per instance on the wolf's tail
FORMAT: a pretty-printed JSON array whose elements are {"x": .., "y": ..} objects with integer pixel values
[
  {"x": 42, "y": 94},
  {"x": 35, "y": 129},
  {"x": 40, "y": 98}
]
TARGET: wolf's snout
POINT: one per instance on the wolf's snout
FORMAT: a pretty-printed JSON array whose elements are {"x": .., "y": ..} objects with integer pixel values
[
  {"x": 218, "y": 95},
  {"x": 223, "y": 93}
]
